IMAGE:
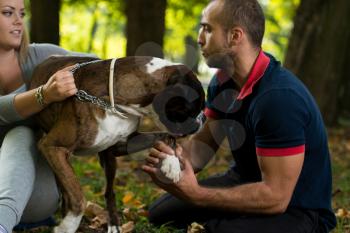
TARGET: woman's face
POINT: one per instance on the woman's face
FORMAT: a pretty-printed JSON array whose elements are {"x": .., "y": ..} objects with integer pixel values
[{"x": 11, "y": 23}]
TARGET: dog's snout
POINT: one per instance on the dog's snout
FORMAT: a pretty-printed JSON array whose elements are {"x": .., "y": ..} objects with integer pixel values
[{"x": 190, "y": 126}]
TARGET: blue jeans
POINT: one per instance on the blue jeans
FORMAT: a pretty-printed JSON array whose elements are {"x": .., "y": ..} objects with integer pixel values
[
  {"x": 28, "y": 190},
  {"x": 171, "y": 210}
]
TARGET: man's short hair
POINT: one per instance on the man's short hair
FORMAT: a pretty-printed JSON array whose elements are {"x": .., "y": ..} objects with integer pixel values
[{"x": 245, "y": 13}]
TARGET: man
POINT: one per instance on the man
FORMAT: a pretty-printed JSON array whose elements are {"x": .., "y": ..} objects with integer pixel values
[{"x": 281, "y": 180}]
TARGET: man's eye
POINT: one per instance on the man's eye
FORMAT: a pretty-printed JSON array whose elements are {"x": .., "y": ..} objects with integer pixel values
[{"x": 206, "y": 28}]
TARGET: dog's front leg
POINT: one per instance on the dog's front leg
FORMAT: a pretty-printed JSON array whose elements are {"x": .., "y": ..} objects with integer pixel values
[
  {"x": 57, "y": 157},
  {"x": 109, "y": 164},
  {"x": 137, "y": 142}
]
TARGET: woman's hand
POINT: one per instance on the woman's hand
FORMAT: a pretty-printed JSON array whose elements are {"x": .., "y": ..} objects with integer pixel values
[{"x": 60, "y": 86}]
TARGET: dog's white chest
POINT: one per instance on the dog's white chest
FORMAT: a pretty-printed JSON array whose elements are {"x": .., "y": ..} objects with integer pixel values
[{"x": 111, "y": 130}]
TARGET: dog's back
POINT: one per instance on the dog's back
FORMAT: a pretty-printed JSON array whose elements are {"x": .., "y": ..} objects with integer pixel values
[{"x": 47, "y": 68}]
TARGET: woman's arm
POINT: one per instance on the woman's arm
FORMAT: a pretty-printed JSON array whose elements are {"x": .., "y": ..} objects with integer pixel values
[
  {"x": 59, "y": 87},
  {"x": 17, "y": 106}
]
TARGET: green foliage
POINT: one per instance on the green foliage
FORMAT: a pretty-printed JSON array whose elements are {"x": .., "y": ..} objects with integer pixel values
[
  {"x": 279, "y": 22},
  {"x": 98, "y": 26},
  {"x": 144, "y": 226},
  {"x": 93, "y": 26},
  {"x": 182, "y": 19}
]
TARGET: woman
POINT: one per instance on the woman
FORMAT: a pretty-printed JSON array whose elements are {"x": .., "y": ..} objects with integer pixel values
[{"x": 28, "y": 192}]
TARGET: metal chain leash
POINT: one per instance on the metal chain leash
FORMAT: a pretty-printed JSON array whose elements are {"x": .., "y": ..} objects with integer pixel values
[
  {"x": 85, "y": 97},
  {"x": 78, "y": 66}
]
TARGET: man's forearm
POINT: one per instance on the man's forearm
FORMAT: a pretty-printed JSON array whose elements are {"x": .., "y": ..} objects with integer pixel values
[
  {"x": 198, "y": 152},
  {"x": 248, "y": 198}
]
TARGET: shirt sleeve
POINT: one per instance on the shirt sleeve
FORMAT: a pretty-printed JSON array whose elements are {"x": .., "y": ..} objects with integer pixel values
[
  {"x": 8, "y": 113},
  {"x": 39, "y": 52},
  {"x": 279, "y": 121},
  {"x": 210, "y": 110},
  {"x": 43, "y": 51}
]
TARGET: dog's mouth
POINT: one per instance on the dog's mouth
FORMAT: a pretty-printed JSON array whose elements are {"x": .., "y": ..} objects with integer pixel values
[{"x": 187, "y": 127}]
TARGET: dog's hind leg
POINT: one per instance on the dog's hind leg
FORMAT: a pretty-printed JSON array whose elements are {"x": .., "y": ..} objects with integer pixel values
[
  {"x": 109, "y": 164},
  {"x": 57, "y": 157}
]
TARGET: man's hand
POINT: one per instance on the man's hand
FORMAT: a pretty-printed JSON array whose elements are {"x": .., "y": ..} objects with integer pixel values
[{"x": 187, "y": 187}]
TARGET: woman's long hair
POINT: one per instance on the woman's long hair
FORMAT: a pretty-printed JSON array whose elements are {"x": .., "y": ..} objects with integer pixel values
[{"x": 23, "y": 48}]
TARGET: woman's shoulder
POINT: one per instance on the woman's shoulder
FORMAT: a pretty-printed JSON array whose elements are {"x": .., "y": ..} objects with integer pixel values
[
  {"x": 43, "y": 50},
  {"x": 37, "y": 53}
]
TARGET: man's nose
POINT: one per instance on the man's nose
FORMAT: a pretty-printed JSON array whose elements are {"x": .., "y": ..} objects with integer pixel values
[
  {"x": 200, "y": 39},
  {"x": 200, "y": 42}
]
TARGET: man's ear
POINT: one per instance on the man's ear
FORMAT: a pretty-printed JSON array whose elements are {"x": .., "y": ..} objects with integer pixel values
[{"x": 235, "y": 35}]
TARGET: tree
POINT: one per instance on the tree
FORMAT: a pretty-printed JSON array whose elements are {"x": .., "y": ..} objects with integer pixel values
[
  {"x": 44, "y": 24},
  {"x": 145, "y": 27},
  {"x": 319, "y": 52},
  {"x": 191, "y": 57}
]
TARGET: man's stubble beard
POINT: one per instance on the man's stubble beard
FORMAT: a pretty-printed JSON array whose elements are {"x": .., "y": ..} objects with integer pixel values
[{"x": 222, "y": 60}]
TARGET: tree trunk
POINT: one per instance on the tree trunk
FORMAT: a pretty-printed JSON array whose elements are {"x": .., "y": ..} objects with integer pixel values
[
  {"x": 318, "y": 51},
  {"x": 44, "y": 24},
  {"x": 191, "y": 58},
  {"x": 92, "y": 32},
  {"x": 344, "y": 92},
  {"x": 145, "y": 27}
]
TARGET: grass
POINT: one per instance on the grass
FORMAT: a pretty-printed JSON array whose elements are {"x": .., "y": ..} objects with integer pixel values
[{"x": 135, "y": 191}]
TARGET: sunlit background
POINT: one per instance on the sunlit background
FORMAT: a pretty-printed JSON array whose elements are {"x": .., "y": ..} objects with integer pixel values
[{"x": 98, "y": 27}]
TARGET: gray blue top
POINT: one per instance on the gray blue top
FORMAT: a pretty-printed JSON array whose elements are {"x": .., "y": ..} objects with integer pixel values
[{"x": 37, "y": 53}]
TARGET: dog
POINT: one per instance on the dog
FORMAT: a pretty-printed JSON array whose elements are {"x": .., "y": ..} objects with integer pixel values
[{"x": 104, "y": 116}]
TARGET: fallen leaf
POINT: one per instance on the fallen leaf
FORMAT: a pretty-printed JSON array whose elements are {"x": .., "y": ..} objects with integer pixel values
[
  {"x": 142, "y": 212},
  {"x": 128, "y": 227},
  {"x": 195, "y": 228},
  {"x": 97, "y": 213},
  {"x": 128, "y": 197},
  {"x": 128, "y": 214},
  {"x": 342, "y": 213},
  {"x": 138, "y": 204},
  {"x": 92, "y": 209},
  {"x": 98, "y": 221}
]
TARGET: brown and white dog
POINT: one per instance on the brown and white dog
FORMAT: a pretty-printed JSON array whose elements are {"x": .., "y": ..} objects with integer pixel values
[{"x": 113, "y": 98}]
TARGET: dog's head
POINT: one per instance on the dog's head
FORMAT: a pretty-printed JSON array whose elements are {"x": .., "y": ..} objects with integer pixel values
[{"x": 179, "y": 106}]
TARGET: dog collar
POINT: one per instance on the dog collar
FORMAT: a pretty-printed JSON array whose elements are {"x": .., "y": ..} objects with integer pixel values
[
  {"x": 111, "y": 81},
  {"x": 120, "y": 110}
]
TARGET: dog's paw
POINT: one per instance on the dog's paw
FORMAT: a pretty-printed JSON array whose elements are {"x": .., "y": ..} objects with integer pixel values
[
  {"x": 69, "y": 224},
  {"x": 114, "y": 229},
  {"x": 171, "y": 168}
]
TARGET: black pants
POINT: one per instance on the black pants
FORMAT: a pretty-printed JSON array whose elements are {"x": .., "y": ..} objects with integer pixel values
[{"x": 169, "y": 209}]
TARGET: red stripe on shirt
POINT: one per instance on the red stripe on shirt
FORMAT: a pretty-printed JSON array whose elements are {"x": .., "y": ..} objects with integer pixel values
[
  {"x": 280, "y": 151},
  {"x": 210, "y": 113}
]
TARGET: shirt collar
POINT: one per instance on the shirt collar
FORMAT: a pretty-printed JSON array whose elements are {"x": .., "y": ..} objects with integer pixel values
[{"x": 258, "y": 70}]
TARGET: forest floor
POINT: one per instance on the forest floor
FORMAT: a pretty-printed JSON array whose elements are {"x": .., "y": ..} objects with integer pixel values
[{"x": 135, "y": 191}]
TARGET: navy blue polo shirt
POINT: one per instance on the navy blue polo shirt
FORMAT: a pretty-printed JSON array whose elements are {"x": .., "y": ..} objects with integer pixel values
[{"x": 275, "y": 115}]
